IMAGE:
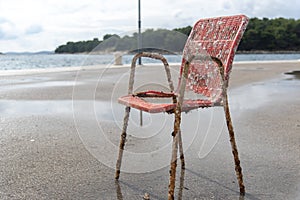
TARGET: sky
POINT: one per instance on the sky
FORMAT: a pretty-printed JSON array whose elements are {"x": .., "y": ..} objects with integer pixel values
[{"x": 38, "y": 25}]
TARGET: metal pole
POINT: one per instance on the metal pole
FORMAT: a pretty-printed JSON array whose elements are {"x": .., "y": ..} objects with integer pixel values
[{"x": 139, "y": 34}]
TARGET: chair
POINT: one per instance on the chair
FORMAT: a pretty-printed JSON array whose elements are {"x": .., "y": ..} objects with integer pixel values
[{"x": 206, "y": 64}]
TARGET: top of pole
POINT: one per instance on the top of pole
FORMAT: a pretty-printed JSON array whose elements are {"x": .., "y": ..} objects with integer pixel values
[{"x": 139, "y": 29}]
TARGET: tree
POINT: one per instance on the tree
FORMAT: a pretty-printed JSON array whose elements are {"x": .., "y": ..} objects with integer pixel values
[
  {"x": 185, "y": 30},
  {"x": 278, "y": 34},
  {"x": 107, "y": 36}
]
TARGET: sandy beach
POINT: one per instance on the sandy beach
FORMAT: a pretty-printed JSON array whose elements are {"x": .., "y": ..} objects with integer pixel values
[{"x": 60, "y": 131}]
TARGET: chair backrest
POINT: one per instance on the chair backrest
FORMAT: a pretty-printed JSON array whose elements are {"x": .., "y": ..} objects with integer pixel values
[{"x": 217, "y": 37}]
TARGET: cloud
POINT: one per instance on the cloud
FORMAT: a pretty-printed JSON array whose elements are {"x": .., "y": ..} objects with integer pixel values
[
  {"x": 32, "y": 25},
  {"x": 7, "y": 30},
  {"x": 1, "y": 34},
  {"x": 227, "y": 5},
  {"x": 2, "y": 20},
  {"x": 267, "y": 8},
  {"x": 33, "y": 29}
]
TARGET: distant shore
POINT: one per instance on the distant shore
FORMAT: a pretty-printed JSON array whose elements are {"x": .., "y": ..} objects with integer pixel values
[
  {"x": 165, "y": 52},
  {"x": 267, "y": 52},
  {"x": 132, "y": 52}
]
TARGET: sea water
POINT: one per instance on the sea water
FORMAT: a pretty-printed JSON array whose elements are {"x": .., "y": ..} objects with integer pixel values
[{"x": 40, "y": 61}]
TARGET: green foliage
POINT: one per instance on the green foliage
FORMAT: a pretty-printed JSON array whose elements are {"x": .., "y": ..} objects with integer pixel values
[
  {"x": 154, "y": 39},
  {"x": 164, "y": 39},
  {"x": 271, "y": 35},
  {"x": 107, "y": 36},
  {"x": 261, "y": 35},
  {"x": 185, "y": 30},
  {"x": 77, "y": 47}
]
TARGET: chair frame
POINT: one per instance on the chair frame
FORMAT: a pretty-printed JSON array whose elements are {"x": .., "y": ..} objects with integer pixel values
[{"x": 178, "y": 99}]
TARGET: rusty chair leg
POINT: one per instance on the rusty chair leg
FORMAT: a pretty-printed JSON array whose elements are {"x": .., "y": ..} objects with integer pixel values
[
  {"x": 176, "y": 135},
  {"x": 238, "y": 168},
  {"x": 173, "y": 167},
  {"x": 122, "y": 142},
  {"x": 181, "y": 150},
  {"x": 177, "y": 142}
]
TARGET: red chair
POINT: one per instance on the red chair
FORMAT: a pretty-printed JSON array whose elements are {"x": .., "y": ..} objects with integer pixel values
[{"x": 206, "y": 65}]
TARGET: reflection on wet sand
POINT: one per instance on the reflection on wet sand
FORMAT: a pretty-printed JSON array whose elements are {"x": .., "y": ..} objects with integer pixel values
[
  {"x": 118, "y": 190},
  {"x": 181, "y": 184},
  {"x": 296, "y": 74},
  {"x": 119, "y": 193},
  {"x": 236, "y": 192}
]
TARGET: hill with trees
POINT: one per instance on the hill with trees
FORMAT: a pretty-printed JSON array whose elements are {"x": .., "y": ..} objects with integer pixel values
[
  {"x": 272, "y": 35},
  {"x": 265, "y": 34},
  {"x": 156, "y": 39}
]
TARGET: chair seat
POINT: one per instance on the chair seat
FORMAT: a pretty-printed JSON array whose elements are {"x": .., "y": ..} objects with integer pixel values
[{"x": 146, "y": 106}]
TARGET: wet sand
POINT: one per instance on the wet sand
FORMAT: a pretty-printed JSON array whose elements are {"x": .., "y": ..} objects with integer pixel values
[{"x": 53, "y": 125}]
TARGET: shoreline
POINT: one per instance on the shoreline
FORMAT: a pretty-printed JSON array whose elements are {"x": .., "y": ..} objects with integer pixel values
[
  {"x": 267, "y": 52},
  {"x": 108, "y": 52},
  {"x": 94, "y": 67}
]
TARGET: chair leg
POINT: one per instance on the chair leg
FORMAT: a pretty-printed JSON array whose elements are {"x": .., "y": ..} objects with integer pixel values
[
  {"x": 238, "y": 168},
  {"x": 173, "y": 167},
  {"x": 122, "y": 142},
  {"x": 181, "y": 150},
  {"x": 176, "y": 136},
  {"x": 181, "y": 184},
  {"x": 177, "y": 142}
]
